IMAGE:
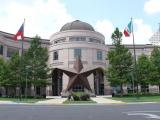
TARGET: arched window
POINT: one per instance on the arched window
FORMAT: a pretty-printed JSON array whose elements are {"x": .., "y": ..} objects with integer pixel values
[
  {"x": 1, "y": 49},
  {"x": 55, "y": 55},
  {"x": 77, "y": 52},
  {"x": 99, "y": 55}
]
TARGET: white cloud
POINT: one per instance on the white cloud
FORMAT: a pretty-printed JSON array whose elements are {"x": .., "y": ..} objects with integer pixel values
[
  {"x": 42, "y": 17},
  {"x": 106, "y": 28},
  {"x": 142, "y": 33},
  {"x": 152, "y": 6}
]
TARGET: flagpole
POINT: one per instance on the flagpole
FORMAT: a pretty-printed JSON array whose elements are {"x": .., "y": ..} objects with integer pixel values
[
  {"x": 22, "y": 39},
  {"x": 134, "y": 74},
  {"x": 26, "y": 87}
]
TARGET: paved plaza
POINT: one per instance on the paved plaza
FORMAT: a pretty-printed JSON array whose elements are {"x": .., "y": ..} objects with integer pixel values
[
  {"x": 103, "y": 100},
  {"x": 98, "y": 100}
]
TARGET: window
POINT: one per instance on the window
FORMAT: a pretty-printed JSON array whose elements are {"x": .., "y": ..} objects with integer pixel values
[
  {"x": 38, "y": 90},
  {"x": 1, "y": 49},
  {"x": 77, "y": 39},
  {"x": 55, "y": 55},
  {"x": 99, "y": 55},
  {"x": 94, "y": 40},
  {"x": 101, "y": 89},
  {"x": 11, "y": 51},
  {"x": 77, "y": 52},
  {"x": 78, "y": 88},
  {"x": 144, "y": 88},
  {"x": 59, "y": 40}
]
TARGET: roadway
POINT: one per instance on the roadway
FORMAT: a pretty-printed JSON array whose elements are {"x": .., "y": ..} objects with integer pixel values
[{"x": 81, "y": 112}]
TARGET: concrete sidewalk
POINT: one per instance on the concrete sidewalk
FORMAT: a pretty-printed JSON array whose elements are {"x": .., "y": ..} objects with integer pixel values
[
  {"x": 7, "y": 102},
  {"x": 52, "y": 101},
  {"x": 102, "y": 100}
]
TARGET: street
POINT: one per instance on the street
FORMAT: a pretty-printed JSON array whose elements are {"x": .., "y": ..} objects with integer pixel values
[{"x": 80, "y": 112}]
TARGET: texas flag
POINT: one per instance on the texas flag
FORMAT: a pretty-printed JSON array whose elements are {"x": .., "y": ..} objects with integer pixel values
[
  {"x": 128, "y": 29},
  {"x": 20, "y": 33}
]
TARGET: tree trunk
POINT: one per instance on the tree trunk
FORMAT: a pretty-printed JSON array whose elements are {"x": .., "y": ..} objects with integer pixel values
[
  {"x": 14, "y": 91},
  {"x": 121, "y": 87},
  {"x": 159, "y": 88},
  {"x": 6, "y": 91},
  {"x": 137, "y": 88}
]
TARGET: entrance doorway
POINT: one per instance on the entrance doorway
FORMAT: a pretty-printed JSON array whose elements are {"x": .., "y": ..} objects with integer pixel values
[
  {"x": 99, "y": 82},
  {"x": 57, "y": 82}
]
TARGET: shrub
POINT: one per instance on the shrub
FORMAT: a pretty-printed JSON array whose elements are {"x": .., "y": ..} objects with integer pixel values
[
  {"x": 85, "y": 97},
  {"x": 77, "y": 96},
  {"x": 44, "y": 96}
]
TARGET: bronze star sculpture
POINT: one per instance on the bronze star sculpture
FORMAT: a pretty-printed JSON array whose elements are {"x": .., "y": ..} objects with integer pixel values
[{"x": 77, "y": 76}]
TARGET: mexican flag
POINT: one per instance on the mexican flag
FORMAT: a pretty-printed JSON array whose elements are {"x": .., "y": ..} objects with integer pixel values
[{"x": 128, "y": 29}]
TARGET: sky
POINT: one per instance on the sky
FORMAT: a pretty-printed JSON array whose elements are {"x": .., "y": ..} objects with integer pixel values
[{"x": 45, "y": 17}]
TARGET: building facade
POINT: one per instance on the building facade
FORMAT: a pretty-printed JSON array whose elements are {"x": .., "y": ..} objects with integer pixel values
[
  {"x": 77, "y": 57},
  {"x": 155, "y": 38},
  {"x": 78, "y": 39}
]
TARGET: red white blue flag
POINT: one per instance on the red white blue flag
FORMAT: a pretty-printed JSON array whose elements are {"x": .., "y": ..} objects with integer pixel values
[
  {"x": 20, "y": 33},
  {"x": 128, "y": 30}
]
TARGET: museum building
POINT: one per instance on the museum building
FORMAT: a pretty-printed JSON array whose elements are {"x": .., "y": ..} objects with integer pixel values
[{"x": 77, "y": 57}]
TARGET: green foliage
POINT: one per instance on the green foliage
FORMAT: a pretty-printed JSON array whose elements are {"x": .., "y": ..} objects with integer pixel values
[
  {"x": 4, "y": 72},
  {"x": 120, "y": 62},
  {"x": 144, "y": 68},
  {"x": 13, "y": 73},
  {"x": 155, "y": 59},
  {"x": 139, "y": 98},
  {"x": 15, "y": 70},
  {"x": 36, "y": 63},
  {"x": 117, "y": 36},
  {"x": 79, "y": 96},
  {"x": 155, "y": 73}
]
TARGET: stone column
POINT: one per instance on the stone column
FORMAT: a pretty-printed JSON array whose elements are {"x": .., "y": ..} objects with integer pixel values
[
  {"x": 58, "y": 83},
  {"x": 65, "y": 79},
  {"x": 107, "y": 88},
  {"x": 5, "y": 51},
  {"x": 91, "y": 82},
  {"x": 32, "y": 90},
  {"x": 49, "y": 90},
  {"x": 97, "y": 83},
  {"x": 17, "y": 91}
]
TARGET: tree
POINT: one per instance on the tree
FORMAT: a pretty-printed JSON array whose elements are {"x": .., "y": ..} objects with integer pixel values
[
  {"x": 144, "y": 68},
  {"x": 2, "y": 68},
  {"x": 36, "y": 60},
  {"x": 120, "y": 62},
  {"x": 4, "y": 72},
  {"x": 155, "y": 59},
  {"x": 15, "y": 73},
  {"x": 8, "y": 77}
]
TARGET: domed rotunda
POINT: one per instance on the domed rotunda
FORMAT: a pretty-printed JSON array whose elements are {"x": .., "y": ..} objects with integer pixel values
[{"x": 77, "y": 58}]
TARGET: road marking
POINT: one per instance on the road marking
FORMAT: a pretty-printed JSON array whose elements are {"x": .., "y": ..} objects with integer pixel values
[
  {"x": 154, "y": 111},
  {"x": 146, "y": 114}
]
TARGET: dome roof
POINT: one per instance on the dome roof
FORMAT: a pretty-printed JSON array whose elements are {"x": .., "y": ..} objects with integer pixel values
[{"x": 77, "y": 25}]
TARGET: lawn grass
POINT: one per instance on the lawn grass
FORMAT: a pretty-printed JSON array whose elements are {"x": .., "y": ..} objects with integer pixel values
[
  {"x": 138, "y": 98},
  {"x": 22, "y": 100},
  {"x": 78, "y": 102}
]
